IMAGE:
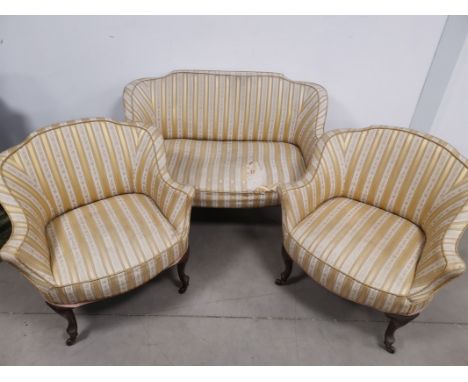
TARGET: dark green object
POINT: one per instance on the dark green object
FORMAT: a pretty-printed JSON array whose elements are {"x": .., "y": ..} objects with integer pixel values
[{"x": 5, "y": 227}]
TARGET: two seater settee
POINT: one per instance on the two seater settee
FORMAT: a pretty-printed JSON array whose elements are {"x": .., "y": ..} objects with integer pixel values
[{"x": 233, "y": 136}]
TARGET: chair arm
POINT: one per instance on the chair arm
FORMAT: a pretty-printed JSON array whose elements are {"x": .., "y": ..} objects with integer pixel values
[
  {"x": 440, "y": 261},
  {"x": 299, "y": 200},
  {"x": 26, "y": 248},
  {"x": 175, "y": 201},
  {"x": 152, "y": 178},
  {"x": 311, "y": 121}
]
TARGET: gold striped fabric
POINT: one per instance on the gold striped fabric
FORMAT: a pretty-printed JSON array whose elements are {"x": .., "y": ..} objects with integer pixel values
[
  {"x": 419, "y": 178},
  {"x": 359, "y": 249},
  {"x": 230, "y": 107},
  {"x": 107, "y": 237},
  {"x": 65, "y": 172},
  {"x": 234, "y": 173}
]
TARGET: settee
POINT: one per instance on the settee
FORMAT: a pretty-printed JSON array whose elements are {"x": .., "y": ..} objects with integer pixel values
[{"x": 233, "y": 136}]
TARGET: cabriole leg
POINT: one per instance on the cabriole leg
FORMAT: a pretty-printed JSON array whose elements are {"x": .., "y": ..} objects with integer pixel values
[
  {"x": 287, "y": 268},
  {"x": 396, "y": 322},
  {"x": 184, "y": 279},
  {"x": 72, "y": 328}
]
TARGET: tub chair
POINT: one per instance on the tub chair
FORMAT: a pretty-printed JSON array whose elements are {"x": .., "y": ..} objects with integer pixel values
[
  {"x": 378, "y": 218},
  {"x": 94, "y": 213},
  {"x": 233, "y": 136}
]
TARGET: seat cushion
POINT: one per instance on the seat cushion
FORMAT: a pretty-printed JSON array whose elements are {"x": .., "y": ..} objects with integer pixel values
[
  {"x": 234, "y": 173},
  {"x": 110, "y": 246},
  {"x": 358, "y": 251}
]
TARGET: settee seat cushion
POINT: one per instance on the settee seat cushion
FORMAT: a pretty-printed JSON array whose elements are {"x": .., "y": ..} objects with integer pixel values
[
  {"x": 110, "y": 246},
  {"x": 234, "y": 173},
  {"x": 358, "y": 251}
]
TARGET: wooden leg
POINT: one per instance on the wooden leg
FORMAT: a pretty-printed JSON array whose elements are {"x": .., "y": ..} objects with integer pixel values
[
  {"x": 72, "y": 328},
  {"x": 287, "y": 268},
  {"x": 184, "y": 279},
  {"x": 396, "y": 322}
]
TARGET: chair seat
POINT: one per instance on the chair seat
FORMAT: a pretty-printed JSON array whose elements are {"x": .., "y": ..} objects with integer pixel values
[
  {"x": 234, "y": 173},
  {"x": 121, "y": 241},
  {"x": 355, "y": 249}
]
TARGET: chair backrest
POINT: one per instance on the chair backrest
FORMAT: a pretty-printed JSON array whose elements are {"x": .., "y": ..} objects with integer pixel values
[
  {"x": 68, "y": 165},
  {"x": 408, "y": 173},
  {"x": 217, "y": 105}
]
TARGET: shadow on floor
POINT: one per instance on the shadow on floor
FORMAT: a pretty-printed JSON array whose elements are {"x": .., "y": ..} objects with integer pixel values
[
  {"x": 247, "y": 216},
  {"x": 5, "y": 227}
]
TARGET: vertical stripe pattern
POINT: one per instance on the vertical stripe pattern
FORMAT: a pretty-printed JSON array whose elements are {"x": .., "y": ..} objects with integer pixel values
[
  {"x": 216, "y": 106},
  {"x": 57, "y": 178},
  {"x": 108, "y": 237},
  {"x": 234, "y": 173},
  {"x": 412, "y": 175}
]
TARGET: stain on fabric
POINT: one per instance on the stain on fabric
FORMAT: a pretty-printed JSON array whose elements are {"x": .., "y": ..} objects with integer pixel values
[{"x": 256, "y": 177}]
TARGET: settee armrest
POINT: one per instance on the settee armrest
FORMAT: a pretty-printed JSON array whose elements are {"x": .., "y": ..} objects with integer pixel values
[{"x": 311, "y": 121}]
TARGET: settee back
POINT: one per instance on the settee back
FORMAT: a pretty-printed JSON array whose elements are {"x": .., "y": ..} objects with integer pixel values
[{"x": 216, "y": 105}]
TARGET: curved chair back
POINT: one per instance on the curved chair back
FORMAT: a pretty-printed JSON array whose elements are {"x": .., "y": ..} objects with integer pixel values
[
  {"x": 408, "y": 173},
  {"x": 217, "y": 105},
  {"x": 68, "y": 165}
]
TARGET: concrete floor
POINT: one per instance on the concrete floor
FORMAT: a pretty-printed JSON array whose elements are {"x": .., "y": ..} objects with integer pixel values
[{"x": 232, "y": 313}]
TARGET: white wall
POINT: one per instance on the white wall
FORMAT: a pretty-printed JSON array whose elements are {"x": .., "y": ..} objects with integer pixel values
[
  {"x": 451, "y": 121},
  {"x": 59, "y": 68},
  {"x": 442, "y": 66}
]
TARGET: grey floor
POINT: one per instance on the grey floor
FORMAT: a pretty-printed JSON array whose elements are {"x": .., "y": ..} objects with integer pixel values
[{"x": 232, "y": 313}]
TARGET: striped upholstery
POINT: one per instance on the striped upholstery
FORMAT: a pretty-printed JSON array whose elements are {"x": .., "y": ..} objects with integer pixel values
[
  {"x": 65, "y": 172},
  {"x": 231, "y": 107},
  {"x": 226, "y": 174},
  {"x": 360, "y": 248},
  {"x": 108, "y": 237},
  {"x": 335, "y": 228}
]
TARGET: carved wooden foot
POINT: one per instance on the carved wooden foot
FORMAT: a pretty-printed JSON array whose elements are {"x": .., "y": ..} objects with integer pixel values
[
  {"x": 184, "y": 279},
  {"x": 72, "y": 328},
  {"x": 287, "y": 268},
  {"x": 396, "y": 322}
]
